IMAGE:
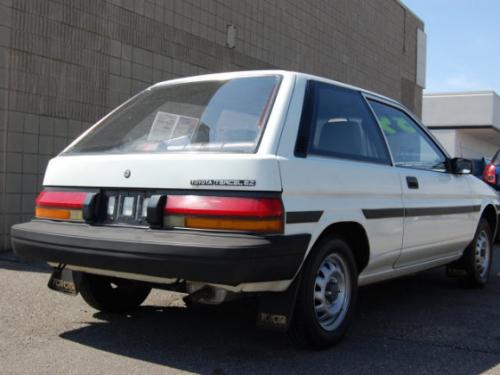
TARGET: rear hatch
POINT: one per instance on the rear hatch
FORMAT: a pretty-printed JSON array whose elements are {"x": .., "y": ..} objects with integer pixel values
[
  {"x": 176, "y": 171},
  {"x": 189, "y": 139},
  {"x": 129, "y": 182}
]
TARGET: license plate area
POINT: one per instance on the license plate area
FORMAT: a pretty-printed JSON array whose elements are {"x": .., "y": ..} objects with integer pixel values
[{"x": 126, "y": 208}]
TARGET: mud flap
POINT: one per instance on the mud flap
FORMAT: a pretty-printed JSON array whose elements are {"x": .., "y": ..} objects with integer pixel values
[
  {"x": 276, "y": 308},
  {"x": 64, "y": 281}
]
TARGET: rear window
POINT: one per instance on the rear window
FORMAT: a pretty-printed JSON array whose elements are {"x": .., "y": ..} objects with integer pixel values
[{"x": 213, "y": 116}]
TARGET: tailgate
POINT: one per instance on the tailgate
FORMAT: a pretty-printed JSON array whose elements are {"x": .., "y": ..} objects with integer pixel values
[{"x": 250, "y": 172}]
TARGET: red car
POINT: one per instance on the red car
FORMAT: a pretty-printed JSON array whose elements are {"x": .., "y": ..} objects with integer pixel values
[{"x": 491, "y": 173}]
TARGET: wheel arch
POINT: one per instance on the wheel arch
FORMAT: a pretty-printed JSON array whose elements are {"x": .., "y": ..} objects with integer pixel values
[
  {"x": 355, "y": 235},
  {"x": 490, "y": 214}
]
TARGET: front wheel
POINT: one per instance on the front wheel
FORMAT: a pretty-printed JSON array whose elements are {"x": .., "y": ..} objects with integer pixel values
[
  {"x": 111, "y": 294},
  {"x": 327, "y": 296},
  {"x": 477, "y": 258}
]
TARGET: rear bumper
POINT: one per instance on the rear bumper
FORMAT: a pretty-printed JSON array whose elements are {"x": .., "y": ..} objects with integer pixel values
[{"x": 221, "y": 258}]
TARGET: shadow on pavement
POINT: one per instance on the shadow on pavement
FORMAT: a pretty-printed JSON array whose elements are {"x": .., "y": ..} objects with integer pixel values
[
  {"x": 191, "y": 339},
  {"x": 9, "y": 261},
  {"x": 424, "y": 323}
]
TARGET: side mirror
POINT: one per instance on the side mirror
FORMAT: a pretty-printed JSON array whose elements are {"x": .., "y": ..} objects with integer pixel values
[{"x": 460, "y": 166}]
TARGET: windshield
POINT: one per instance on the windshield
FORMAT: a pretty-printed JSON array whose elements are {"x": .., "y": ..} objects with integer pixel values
[{"x": 214, "y": 116}]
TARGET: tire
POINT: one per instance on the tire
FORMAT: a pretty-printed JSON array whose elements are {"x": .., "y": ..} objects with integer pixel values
[
  {"x": 477, "y": 257},
  {"x": 110, "y": 294},
  {"x": 326, "y": 298}
]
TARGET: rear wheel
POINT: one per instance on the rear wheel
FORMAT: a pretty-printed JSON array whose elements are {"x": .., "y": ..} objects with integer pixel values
[
  {"x": 111, "y": 294},
  {"x": 327, "y": 296},
  {"x": 477, "y": 258}
]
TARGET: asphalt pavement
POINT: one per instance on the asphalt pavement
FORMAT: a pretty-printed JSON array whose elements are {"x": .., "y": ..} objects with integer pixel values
[{"x": 425, "y": 323}]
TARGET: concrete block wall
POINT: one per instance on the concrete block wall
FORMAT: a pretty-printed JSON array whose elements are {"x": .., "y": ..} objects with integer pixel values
[{"x": 65, "y": 63}]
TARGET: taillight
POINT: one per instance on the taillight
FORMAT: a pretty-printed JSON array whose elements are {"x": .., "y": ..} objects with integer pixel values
[
  {"x": 490, "y": 174},
  {"x": 263, "y": 215},
  {"x": 60, "y": 205}
]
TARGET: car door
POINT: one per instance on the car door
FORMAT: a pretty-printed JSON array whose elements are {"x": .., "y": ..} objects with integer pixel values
[
  {"x": 439, "y": 208},
  {"x": 341, "y": 168}
]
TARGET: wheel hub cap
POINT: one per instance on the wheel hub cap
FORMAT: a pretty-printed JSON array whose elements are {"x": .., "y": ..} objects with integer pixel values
[
  {"x": 482, "y": 254},
  {"x": 331, "y": 292}
]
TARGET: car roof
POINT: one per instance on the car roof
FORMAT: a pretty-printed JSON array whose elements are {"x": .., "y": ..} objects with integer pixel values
[{"x": 254, "y": 73}]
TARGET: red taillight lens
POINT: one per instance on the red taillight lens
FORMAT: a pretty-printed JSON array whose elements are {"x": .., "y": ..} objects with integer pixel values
[
  {"x": 223, "y": 206},
  {"x": 225, "y": 213},
  {"x": 66, "y": 199},
  {"x": 60, "y": 205},
  {"x": 490, "y": 174}
]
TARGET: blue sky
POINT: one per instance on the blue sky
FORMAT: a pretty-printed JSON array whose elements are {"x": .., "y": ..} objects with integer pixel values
[{"x": 463, "y": 43}]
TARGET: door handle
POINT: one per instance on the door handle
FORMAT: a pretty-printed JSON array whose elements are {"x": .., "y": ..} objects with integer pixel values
[{"x": 412, "y": 182}]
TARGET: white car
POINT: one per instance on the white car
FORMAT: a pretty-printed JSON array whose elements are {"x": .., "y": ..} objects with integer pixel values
[{"x": 282, "y": 185}]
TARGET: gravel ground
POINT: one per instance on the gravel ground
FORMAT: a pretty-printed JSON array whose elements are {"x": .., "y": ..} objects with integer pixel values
[{"x": 421, "y": 324}]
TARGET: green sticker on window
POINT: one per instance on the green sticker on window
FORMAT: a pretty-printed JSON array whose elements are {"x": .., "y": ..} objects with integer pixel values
[
  {"x": 385, "y": 123},
  {"x": 404, "y": 125}
]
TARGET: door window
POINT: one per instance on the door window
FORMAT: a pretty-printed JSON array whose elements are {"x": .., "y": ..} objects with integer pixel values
[
  {"x": 342, "y": 125},
  {"x": 410, "y": 145}
]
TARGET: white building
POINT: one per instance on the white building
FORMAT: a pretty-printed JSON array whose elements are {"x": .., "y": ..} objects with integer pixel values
[{"x": 467, "y": 124}]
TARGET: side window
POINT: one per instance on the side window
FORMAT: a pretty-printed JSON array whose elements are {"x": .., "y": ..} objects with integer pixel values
[
  {"x": 342, "y": 125},
  {"x": 409, "y": 144}
]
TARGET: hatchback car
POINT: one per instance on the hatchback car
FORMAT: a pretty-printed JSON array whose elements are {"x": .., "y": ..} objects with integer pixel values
[{"x": 285, "y": 186}]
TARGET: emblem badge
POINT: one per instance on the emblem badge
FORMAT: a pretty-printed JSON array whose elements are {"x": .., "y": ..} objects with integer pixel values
[
  {"x": 223, "y": 182},
  {"x": 127, "y": 173}
]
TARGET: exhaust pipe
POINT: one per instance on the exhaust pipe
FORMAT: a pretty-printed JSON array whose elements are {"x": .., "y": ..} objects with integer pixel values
[{"x": 204, "y": 294}]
